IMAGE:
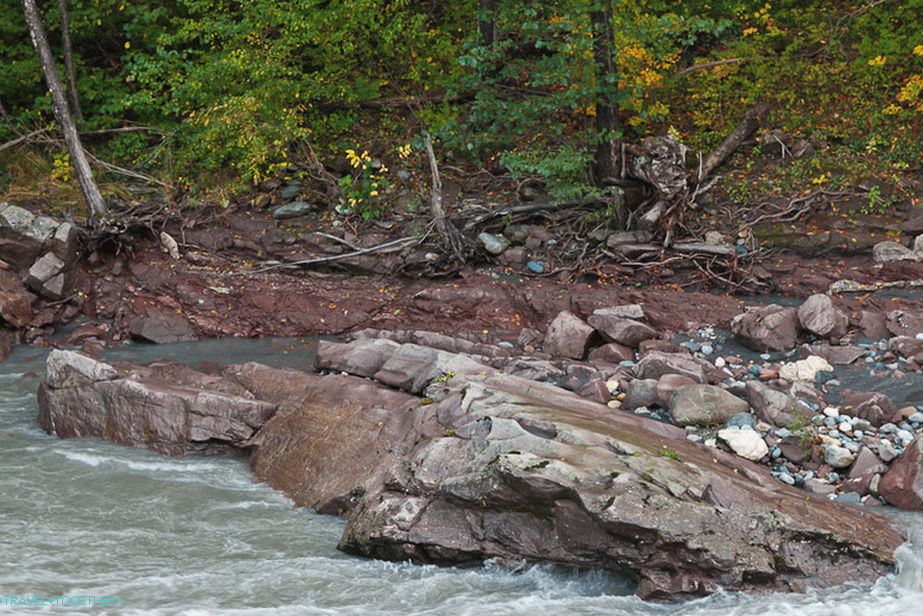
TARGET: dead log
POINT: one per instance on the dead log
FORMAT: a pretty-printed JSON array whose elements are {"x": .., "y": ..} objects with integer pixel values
[{"x": 741, "y": 133}]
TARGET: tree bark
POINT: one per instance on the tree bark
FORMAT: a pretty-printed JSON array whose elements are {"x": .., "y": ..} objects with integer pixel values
[
  {"x": 607, "y": 158},
  {"x": 487, "y": 14},
  {"x": 95, "y": 203},
  {"x": 69, "y": 61}
]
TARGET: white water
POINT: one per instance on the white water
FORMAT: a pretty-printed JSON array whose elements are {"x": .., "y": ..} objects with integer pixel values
[{"x": 198, "y": 536}]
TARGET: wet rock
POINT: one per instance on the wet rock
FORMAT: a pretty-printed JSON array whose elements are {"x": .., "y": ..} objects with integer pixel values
[
  {"x": 493, "y": 244},
  {"x": 902, "y": 485},
  {"x": 745, "y": 442},
  {"x": 161, "y": 327},
  {"x": 886, "y": 252},
  {"x": 769, "y": 328},
  {"x": 481, "y": 473},
  {"x": 805, "y": 369},
  {"x": 704, "y": 405},
  {"x": 669, "y": 383},
  {"x": 773, "y": 406},
  {"x": 641, "y": 392},
  {"x": 292, "y": 210},
  {"x": 567, "y": 336},
  {"x": 162, "y": 408},
  {"x": 655, "y": 364},
  {"x": 819, "y": 316},
  {"x": 629, "y": 332}
]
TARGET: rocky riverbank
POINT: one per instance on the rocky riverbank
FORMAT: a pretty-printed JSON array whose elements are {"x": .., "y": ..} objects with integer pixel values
[{"x": 439, "y": 457}]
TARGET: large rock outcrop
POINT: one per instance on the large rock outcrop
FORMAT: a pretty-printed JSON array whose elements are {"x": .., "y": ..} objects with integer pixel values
[{"x": 486, "y": 465}]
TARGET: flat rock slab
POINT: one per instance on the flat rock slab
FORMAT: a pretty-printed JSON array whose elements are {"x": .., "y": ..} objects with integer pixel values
[{"x": 486, "y": 466}]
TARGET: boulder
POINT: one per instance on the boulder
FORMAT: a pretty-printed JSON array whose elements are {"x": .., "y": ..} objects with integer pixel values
[
  {"x": 48, "y": 278},
  {"x": 805, "y": 369},
  {"x": 902, "y": 485},
  {"x": 704, "y": 405},
  {"x": 745, "y": 442},
  {"x": 772, "y": 406},
  {"x": 874, "y": 407},
  {"x": 902, "y": 323},
  {"x": 886, "y": 252},
  {"x": 629, "y": 332},
  {"x": 612, "y": 353},
  {"x": 873, "y": 325},
  {"x": 567, "y": 336},
  {"x": 835, "y": 355},
  {"x": 627, "y": 311},
  {"x": 838, "y": 457},
  {"x": 161, "y": 327},
  {"x": 819, "y": 316},
  {"x": 769, "y": 328},
  {"x": 669, "y": 383},
  {"x": 641, "y": 392},
  {"x": 867, "y": 463},
  {"x": 15, "y": 308},
  {"x": 491, "y": 467},
  {"x": 905, "y": 346},
  {"x": 656, "y": 364}
]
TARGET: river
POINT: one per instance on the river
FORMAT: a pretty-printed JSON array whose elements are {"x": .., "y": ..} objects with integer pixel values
[{"x": 199, "y": 536}]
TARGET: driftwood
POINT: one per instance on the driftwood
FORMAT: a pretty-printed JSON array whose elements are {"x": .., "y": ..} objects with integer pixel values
[
  {"x": 448, "y": 234},
  {"x": 744, "y": 131}
]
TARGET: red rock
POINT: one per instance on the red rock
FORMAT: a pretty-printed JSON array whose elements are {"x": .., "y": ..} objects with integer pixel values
[{"x": 902, "y": 485}]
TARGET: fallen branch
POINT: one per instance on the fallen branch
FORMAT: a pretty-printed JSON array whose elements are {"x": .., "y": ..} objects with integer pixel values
[
  {"x": 22, "y": 138},
  {"x": 744, "y": 130},
  {"x": 386, "y": 247},
  {"x": 447, "y": 231}
]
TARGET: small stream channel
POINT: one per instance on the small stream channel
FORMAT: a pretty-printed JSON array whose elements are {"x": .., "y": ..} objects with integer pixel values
[{"x": 199, "y": 536}]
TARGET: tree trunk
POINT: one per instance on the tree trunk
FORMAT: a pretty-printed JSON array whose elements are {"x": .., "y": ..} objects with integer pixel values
[
  {"x": 69, "y": 61},
  {"x": 607, "y": 158},
  {"x": 487, "y": 14},
  {"x": 94, "y": 199}
]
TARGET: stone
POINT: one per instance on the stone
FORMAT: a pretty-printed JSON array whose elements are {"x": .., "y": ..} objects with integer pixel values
[
  {"x": 902, "y": 323},
  {"x": 769, "y": 328},
  {"x": 867, "y": 463},
  {"x": 535, "y": 267},
  {"x": 612, "y": 353},
  {"x": 905, "y": 346},
  {"x": 902, "y": 485},
  {"x": 886, "y": 252},
  {"x": 15, "y": 308},
  {"x": 655, "y": 364},
  {"x": 669, "y": 383},
  {"x": 567, "y": 336},
  {"x": 629, "y": 332},
  {"x": 819, "y": 487},
  {"x": 494, "y": 467},
  {"x": 493, "y": 244},
  {"x": 745, "y": 442},
  {"x": 161, "y": 327},
  {"x": 169, "y": 245},
  {"x": 292, "y": 210},
  {"x": 64, "y": 243},
  {"x": 805, "y": 369},
  {"x": 874, "y": 407},
  {"x": 873, "y": 325},
  {"x": 741, "y": 420},
  {"x": 641, "y": 392},
  {"x": 627, "y": 311},
  {"x": 704, "y": 405},
  {"x": 819, "y": 316},
  {"x": 794, "y": 449},
  {"x": 835, "y": 355},
  {"x": 46, "y": 277},
  {"x": 513, "y": 257},
  {"x": 838, "y": 457},
  {"x": 71, "y": 369},
  {"x": 772, "y": 406}
]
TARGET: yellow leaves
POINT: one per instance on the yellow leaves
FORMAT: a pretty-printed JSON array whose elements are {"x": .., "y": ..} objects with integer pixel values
[
  {"x": 918, "y": 50},
  {"x": 878, "y": 61},
  {"x": 749, "y": 31},
  {"x": 404, "y": 150},
  {"x": 127, "y": 44},
  {"x": 822, "y": 179},
  {"x": 358, "y": 160}
]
